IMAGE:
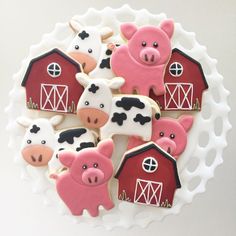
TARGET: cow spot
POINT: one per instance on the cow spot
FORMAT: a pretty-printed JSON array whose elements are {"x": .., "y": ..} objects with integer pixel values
[
  {"x": 105, "y": 63},
  {"x": 84, "y": 145},
  {"x": 128, "y": 102},
  {"x": 68, "y": 135},
  {"x": 83, "y": 35},
  {"x": 34, "y": 129},
  {"x": 93, "y": 88},
  {"x": 119, "y": 118},
  {"x": 108, "y": 52},
  {"x": 142, "y": 119}
]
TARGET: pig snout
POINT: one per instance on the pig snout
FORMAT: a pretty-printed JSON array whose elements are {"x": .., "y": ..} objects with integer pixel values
[
  {"x": 167, "y": 144},
  {"x": 92, "y": 177},
  {"x": 149, "y": 56}
]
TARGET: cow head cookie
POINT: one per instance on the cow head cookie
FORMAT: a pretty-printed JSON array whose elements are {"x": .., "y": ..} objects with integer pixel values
[
  {"x": 39, "y": 141},
  {"x": 85, "y": 185},
  {"x": 170, "y": 134},
  {"x": 73, "y": 139},
  {"x": 143, "y": 60},
  {"x": 87, "y": 45},
  {"x": 120, "y": 114}
]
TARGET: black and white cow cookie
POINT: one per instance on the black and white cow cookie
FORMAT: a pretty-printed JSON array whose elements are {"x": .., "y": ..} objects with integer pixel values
[{"x": 119, "y": 114}]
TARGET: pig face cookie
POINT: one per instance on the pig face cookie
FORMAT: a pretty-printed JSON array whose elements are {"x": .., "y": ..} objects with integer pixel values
[{"x": 143, "y": 60}]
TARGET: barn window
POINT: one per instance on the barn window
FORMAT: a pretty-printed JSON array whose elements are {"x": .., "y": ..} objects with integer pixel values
[
  {"x": 54, "y": 69},
  {"x": 150, "y": 164},
  {"x": 176, "y": 69}
]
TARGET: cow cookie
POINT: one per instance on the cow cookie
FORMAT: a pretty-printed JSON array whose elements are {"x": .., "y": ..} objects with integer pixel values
[{"x": 47, "y": 90}]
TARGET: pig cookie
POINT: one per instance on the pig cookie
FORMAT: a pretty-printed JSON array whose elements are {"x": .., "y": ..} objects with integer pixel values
[{"x": 85, "y": 185}]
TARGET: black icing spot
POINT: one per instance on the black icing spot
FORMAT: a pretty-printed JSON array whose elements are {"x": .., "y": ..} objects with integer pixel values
[
  {"x": 84, "y": 145},
  {"x": 119, "y": 118},
  {"x": 68, "y": 135},
  {"x": 108, "y": 52},
  {"x": 105, "y": 63},
  {"x": 83, "y": 35},
  {"x": 93, "y": 88},
  {"x": 157, "y": 116},
  {"x": 142, "y": 119},
  {"x": 128, "y": 102},
  {"x": 35, "y": 129}
]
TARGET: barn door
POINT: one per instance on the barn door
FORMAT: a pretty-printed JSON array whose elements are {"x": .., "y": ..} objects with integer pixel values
[
  {"x": 178, "y": 96},
  {"x": 148, "y": 192},
  {"x": 54, "y": 97}
]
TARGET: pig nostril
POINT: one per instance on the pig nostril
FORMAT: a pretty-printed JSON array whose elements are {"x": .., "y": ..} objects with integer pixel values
[
  {"x": 88, "y": 119},
  {"x": 96, "y": 179},
  {"x": 96, "y": 121},
  {"x": 90, "y": 181},
  {"x": 146, "y": 57},
  {"x": 40, "y": 158},
  {"x": 33, "y": 159},
  {"x": 168, "y": 150},
  {"x": 83, "y": 65},
  {"x": 152, "y": 58}
]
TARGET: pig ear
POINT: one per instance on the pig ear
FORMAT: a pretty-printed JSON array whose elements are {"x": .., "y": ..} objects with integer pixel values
[
  {"x": 106, "y": 147},
  {"x": 168, "y": 27},
  {"x": 106, "y": 33},
  {"x": 128, "y": 30},
  {"x": 83, "y": 79},
  {"x": 186, "y": 121},
  {"x": 24, "y": 121},
  {"x": 66, "y": 158},
  {"x": 75, "y": 25},
  {"x": 56, "y": 120},
  {"x": 116, "y": 83}
]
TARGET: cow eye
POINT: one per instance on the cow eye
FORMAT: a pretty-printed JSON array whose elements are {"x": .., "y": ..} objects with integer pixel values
[
  {"x": 155, "y": 44},
  {"x": 84, "y": 167},
  {"x": 95, "y": 165},
  {"x": 172, "y": 136},
  {"x": 90, "y": 50},
  {"x": 43, "y": 141},
  {"x": 76, "y": 47},
  {"x": 161, "y": 134},
  {"x": 86, "y": 103},
  {"x": 29, "y": 141},
  {"x": 60, "y": 149},
  {"x": 144, "y": 44},
  {"x": 101, "y": 105}
]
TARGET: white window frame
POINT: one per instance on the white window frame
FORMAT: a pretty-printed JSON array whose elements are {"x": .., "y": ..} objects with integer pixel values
[
  {"x": 176, "y": 69},
  {"x": 53, "y": 75},
  {"x": 152, "y": 159}
]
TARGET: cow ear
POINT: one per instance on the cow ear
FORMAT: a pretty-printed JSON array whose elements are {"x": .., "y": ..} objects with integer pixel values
[
  {"x": 24, "y": 121},
  {"x": 186, "y": 121},
  {"x": 56, "y": 120},
  {"x": 128, "y": 30},
  {"x": 66, "y": 158},
  {"x": 116, "y": 82},
  {"x": 75, "y": 25},
  {"x": 106, "y": 33},
  {"x": 83, "y": 79},
  {"x": 106, "y": 147},
  {"x": 168, "y": 27}
]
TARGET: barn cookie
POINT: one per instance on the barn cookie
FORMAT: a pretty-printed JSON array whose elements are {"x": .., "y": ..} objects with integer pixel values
[
  {"x": 143, "y": 60},
  {"x": 50, "y": 83},
  {"x": 85, "y": 185},
  {"x": 184, "y": 82},
  {"x": 148, "y": 175},
  {"x": 121, "y": 114},
  {"x": 168, "y": 133}
]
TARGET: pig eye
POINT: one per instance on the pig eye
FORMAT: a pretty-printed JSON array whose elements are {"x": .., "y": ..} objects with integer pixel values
[
  {"x": 90, "y": 50},
  {"x": 161, "y": 134},
  {"x": 29, "y": 141},
  {"x": 60, "y": 149},
  {"x": 84, "y": 167},
  {"x": 43, "y": 141},
  {"x": 77, "y": 47},
  {"x": 172, "y": 136},
  {"x": 101, "y": 105},
  {"x": 144, "y": 44},
  {"x": 95, "y": 165},
  {"x": 86, "y": 103},
  {"x": 155, "y": 44}
]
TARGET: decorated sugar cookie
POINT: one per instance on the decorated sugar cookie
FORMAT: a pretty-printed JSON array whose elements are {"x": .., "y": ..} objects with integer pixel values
[
  {"x": 169, "y": 134},
  {"x": 121, "y": 114},
  {"x": 143, "y": 60},
  {"x": 73, "y": 139},
  {"x": 148, "y": 175},
  {"x": 184, "y": 82},
  {"x": 50, "y": 83},
  {"x": 85, "y": 185}
]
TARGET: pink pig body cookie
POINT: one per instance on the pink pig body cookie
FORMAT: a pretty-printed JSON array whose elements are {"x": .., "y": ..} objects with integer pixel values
[
  {"x": 143, "y": 60},
  {"x": 85, "y": 185},
  {"x": 168, "y": 133}
]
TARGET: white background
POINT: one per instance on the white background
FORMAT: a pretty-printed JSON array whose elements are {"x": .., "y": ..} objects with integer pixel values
[{"x": 22, "y": 23}]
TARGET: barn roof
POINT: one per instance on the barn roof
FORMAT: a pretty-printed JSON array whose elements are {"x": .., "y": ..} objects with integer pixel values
[
  {"x": 55, "y": 50},
  {"x": 193, "y": 61},
  {"x": 144, "y": 148}
]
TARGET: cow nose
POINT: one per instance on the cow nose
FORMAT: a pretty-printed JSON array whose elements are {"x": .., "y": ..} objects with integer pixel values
[
  {"x": 95, "y": 121},
  {"x": 39, "y": 159}
]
